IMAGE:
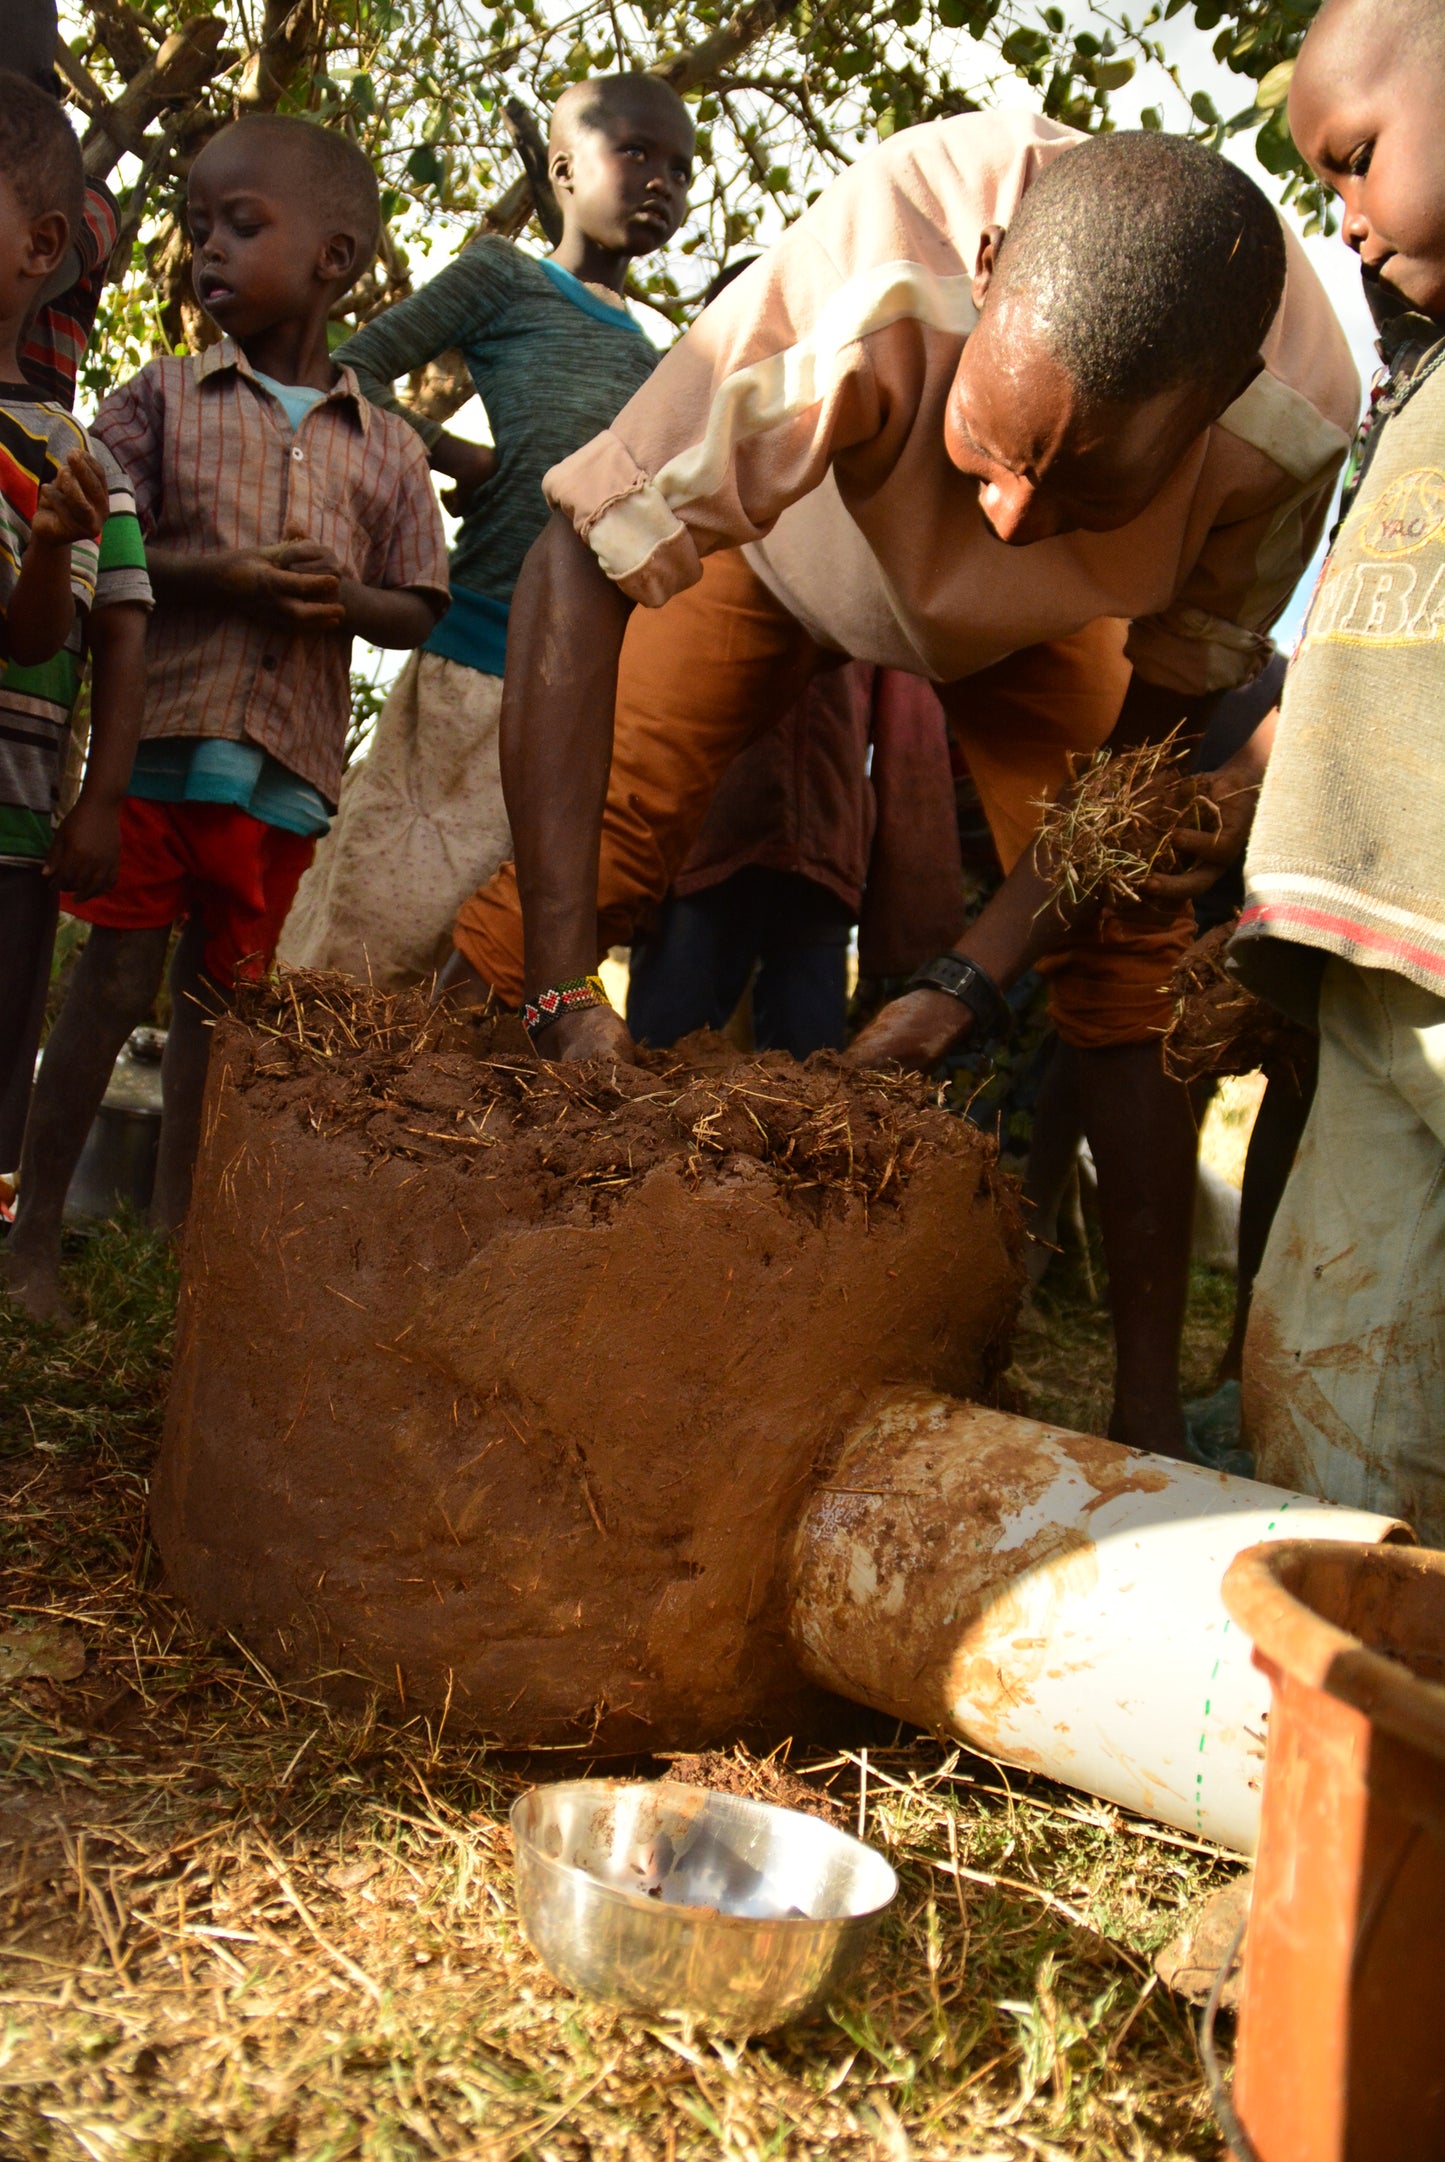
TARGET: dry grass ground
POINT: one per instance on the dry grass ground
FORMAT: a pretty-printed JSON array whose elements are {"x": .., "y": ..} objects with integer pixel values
[{"x": 238, "y": 1925}]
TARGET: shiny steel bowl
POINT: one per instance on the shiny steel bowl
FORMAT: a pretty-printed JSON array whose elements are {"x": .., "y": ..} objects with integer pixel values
[{"x": 664, "y": 1897}]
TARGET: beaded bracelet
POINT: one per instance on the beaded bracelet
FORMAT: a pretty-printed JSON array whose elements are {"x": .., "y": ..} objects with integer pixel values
[{"x": 548, "y": 1006}]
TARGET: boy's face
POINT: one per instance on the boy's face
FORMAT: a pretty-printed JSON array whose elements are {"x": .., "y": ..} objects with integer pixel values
[
  {"x": 31, "y": 251},
  {"x": 624, "y": 176},
  {"x": 262, "y": 255},
  {"x": 1366, "y": 108}
]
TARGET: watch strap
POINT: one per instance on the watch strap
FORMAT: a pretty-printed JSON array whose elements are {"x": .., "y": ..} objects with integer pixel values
[{"x": 972, "y": 986}]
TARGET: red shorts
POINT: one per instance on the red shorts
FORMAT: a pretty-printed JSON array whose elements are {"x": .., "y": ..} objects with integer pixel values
[{"x": 179, "y": 860}]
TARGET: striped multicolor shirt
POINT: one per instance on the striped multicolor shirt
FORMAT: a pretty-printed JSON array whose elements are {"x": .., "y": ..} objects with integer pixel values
[
  {"x": 35, "y": 703},
  {"x": 215, "y": 465}
]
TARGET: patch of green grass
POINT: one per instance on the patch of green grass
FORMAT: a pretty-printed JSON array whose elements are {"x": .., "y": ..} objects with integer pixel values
[
  {"x": 98, "y": 1388},
  {"x": 242, "y": 1926}
]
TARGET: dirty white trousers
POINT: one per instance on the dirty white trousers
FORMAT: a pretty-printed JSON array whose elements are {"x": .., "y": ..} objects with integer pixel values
[
  {"x": 421, "y": 824},
  {"x": 1344, "y": 1373}
]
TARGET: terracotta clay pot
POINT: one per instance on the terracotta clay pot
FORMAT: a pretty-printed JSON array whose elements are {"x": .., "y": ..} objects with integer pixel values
[{"x": 1342, "y": 2029}]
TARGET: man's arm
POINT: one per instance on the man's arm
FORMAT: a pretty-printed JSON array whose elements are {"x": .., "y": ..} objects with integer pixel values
[
  {"x": 1022, "y": 921},
  {"x": 85, "y": 853},
  {"x": 564, "y": 636}
]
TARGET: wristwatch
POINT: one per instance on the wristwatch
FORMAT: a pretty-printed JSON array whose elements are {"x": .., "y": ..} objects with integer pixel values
[{"x": 972, "y": 986}]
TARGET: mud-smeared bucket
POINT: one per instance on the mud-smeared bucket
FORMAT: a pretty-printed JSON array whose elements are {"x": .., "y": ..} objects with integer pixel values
[{"x": 1342, "y": 2032}]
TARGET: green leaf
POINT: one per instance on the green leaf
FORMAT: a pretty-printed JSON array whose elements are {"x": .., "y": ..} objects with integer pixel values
[
  {"x": 425, "y": 167},
  {"x": 1274, "y": 88},
  {"x": 1025, "y": 48}
]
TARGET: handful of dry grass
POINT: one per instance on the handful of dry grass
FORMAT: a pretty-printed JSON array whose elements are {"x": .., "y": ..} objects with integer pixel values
[
  {"x": 1117, "y": 822},
  {"x": 1221, "y": 1028}
]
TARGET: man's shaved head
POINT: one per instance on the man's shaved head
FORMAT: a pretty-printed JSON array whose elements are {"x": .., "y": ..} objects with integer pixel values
[
  {"x": 615, "y": 97},
  {"x": 1148, "y": 262}
]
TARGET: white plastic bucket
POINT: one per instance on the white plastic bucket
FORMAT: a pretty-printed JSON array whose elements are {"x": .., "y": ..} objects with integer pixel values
[{"x": 1051, "y": 1599}]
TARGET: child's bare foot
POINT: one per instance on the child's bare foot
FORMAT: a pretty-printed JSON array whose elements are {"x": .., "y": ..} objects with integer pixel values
[{"x": 33, "y": 1285}]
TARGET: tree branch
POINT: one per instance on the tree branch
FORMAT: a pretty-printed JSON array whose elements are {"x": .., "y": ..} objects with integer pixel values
[
  {"x": 695, "y": 66},
  {"x": 185, "y": 63},
  {"x": 291, "y": 35},
  {"x": 531, "y": 147}
]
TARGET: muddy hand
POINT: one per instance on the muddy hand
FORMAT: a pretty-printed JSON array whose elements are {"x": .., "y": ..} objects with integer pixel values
[
  {"x": 590, "y": 1032},
  {"x": 297, "y": 551},
  {"x": 916, "y": 1031},
  {"x": 73, "y": 506},
  {"x": 1213, "y": 848}
]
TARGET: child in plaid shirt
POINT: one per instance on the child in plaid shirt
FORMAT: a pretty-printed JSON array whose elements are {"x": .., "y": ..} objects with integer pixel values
[{"x": 283, "y": 515}]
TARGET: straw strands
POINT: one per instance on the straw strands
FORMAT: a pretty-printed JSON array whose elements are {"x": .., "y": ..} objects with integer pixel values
[
  {"x": 1115, "y": 823},
  {"x": 1220, "y": 1027},
  {"x": 422, "y": 1082}
]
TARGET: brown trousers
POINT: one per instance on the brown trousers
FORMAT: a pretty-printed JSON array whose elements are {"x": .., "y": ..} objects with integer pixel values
[{"x": 700, "y": 678}]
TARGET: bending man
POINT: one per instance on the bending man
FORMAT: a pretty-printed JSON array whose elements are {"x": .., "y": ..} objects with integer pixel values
[{"x": 1053, "y": 421}]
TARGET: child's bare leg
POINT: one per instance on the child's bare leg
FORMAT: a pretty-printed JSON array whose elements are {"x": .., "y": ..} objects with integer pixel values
[
  {"x": 1278, "y": 1127},
  {"x": 112, "y": 991},
  {"x": 1141, "y": 1129},
  {"x": 1053, "y": 1157},
  {"x": 196, "y": 1002}
]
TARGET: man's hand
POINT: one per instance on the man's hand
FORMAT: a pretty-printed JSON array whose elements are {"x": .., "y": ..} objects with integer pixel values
[
  {"x": 85, "y": 854},
  {"x": 73, "y": 506},
  {"x": 916, "y": 1031},
  {"x": 294, "y": 584},
  {"x": 1233, "y": 792},
  {"x": 589, "y": 1032}
]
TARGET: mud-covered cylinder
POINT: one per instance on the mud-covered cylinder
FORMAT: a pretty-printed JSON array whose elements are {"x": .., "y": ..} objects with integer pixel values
[
  {"x": 1052, "y": 1599},
  {"x": 498, "y": 1388}
]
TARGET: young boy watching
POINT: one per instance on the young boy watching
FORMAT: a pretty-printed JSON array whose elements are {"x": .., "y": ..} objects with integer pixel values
[
  {"x": 283, "y": 516},
  {"x": 554, "y": 354},
  {"x": 1344, "y": 918},
  {"x": 59, "y": 593}
]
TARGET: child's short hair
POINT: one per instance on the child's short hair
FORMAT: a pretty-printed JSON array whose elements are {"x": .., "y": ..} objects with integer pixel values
[
  {"x": 337, "y": 169},
  {"x": 583, "y": 104},
  {"x": 39, "y": 153}
]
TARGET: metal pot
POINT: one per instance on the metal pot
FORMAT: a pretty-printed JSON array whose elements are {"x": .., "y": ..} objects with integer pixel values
[{"x": 666, "y": 1897}]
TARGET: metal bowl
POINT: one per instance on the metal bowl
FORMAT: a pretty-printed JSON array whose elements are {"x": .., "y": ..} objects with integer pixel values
[{"x": 665, "y": 1897}]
